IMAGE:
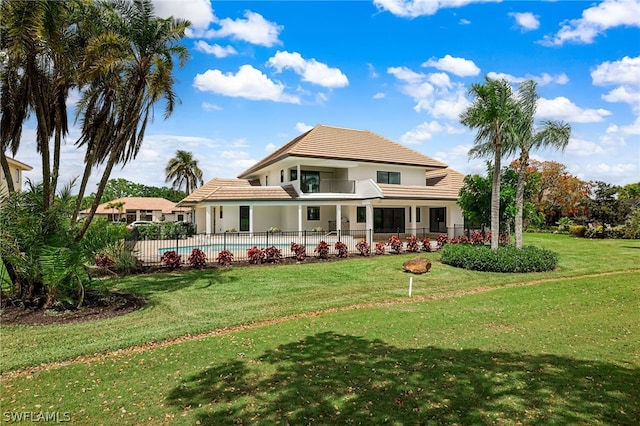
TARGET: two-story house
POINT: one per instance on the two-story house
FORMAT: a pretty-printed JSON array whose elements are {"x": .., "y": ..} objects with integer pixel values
[
  {"x": 336, "y": 179},
  {"x": 16, "y": 168}
]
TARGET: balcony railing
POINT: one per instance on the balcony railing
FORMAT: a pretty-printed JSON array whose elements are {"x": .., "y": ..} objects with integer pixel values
[{"x": 339, "y": 186}]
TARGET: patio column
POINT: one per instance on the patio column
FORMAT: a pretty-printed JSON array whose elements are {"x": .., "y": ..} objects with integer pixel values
[
  {"x": 369, "y": 219},
  {"x": 299, "y": 220},
  {"x": 251, "y": 220},
  {"x": 207, "y": 226},
  {"x": 412, "y": 223},
  {"x": 338, "y": 217}
]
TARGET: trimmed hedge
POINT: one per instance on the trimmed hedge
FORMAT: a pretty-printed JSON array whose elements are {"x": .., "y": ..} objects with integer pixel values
[{"x": 505, "y": 259}]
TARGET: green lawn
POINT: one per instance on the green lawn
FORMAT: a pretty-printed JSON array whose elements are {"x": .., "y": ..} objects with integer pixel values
[{"x": 565, "y": 350}]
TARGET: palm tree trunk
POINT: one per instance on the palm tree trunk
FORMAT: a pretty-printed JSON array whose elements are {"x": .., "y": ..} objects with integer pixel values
[
  {"x": 495, "y": 199},
  {"x": 7, "y": 172},
  {"x": 524, "y": 163}
]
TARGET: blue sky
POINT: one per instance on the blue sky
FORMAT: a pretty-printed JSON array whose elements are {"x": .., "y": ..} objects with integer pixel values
[{"x": 263, "y": 72}]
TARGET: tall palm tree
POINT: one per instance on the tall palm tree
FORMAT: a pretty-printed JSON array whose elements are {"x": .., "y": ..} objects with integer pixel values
[
  {"x": 491, "y": 113},
  {"x": 130, "y": 70},
  {"x": 552, "y": 134},
  {"x": 183, "y": 170}
]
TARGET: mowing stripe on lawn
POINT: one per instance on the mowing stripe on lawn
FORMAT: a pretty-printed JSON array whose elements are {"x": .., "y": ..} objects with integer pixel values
[{"x": 27, "y": 371}]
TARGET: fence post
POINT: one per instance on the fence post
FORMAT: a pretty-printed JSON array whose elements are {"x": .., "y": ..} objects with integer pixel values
[
  {"x": 267, "y": 244},
  {"x": 224, "y": 240}
]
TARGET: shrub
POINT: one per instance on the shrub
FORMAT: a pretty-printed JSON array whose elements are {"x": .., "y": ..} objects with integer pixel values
[
  {"x": 225, "y": 257},
  {"x": 298, "y": 251},
  {"x": 454, "y": 240},
  {"x": 317, "y": 229},
  {"x": 578, "y": 230},
  {"x": 477, "y": 238},
  {"x": 442, "y": 240},
  {"x": 632, "y": 225},
  {"x": 412, "y": 244},
  {"x": 171, "y": 259},
  {"x": 273, "y": 254},
  {"x": 505, "y": 259},
  {"x": 255, "y": 255},
  {"x": 504, "y": 239},
  {"x": 230, "y": 230},
  {"x": 104, "y": 261},
  {"x": 363, "y": 248},
  {"x": 197, "y": 258},
  {"x": 464, "y": 239},
  {"x": 274, "y": 229},
  {"x": 343, "y": 250},
  {"x": 395, "y": 243},
  {"x": 380, "y": 245},
  {"x": 322, "y": 249},
  {"x": 426, "y": 244},
  {"x": 564, "y": 224}
]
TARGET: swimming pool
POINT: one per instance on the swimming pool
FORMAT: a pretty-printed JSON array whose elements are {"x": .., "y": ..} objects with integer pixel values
[{"x": 217, "y": 248}]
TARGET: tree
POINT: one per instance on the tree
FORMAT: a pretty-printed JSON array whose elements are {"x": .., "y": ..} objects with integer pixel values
[
  {"x": 606, "y": 207},
  {"x": 119, "y": 205},
  {"x": 553, "y": 134},
  {"x": 491, "y": 113},
  {"x": 183, "y": 170}
]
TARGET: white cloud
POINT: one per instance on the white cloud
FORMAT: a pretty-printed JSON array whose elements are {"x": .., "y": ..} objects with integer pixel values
[
  {"x": 624, "y": 71},
  {"x": 198, "y": 12},
  {"x": 458, "y": 66},
  {"x": 527, "y": 21},
  {"x": 215, "y": 49},
  {"x": 270, "y": 147},
  {"x": 234, "y": 154},
  {"x": 211, "y": 107},
  {"x": 542, "y": 79},
  {"x": 248, "y": 83},
  {"x": 379, "y": 95},
  {"x": 421, "y": 133},
  {"x": 254, "y": 29},
  {"x": 439, "y": 79},
  {"x": 415, "y": 8},
  {"x": 561, "y": 108},
  {"x": 583, "y": 148},
  {"x": 372, "y": 71},
  {"x": 405, "y": 74},
  {"x": 302, "y": 127},
  {"x": 455, "y": 153},
  {"x": 611, "y": 173},
  {"x": 596, "y": 20},
  {"x": 464, "y": 22},
  {"x": 310, "y": 70}
]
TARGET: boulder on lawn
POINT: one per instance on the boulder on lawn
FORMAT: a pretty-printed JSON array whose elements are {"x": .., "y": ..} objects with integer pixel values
[{"x": 417, "y": 265}]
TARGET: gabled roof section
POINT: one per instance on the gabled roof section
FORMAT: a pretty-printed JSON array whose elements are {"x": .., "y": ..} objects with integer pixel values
[
  {"x": 338, "y": 143},
  {"x": 18, "y": 164},
  {"x": 207, "y": 190},
  {"x": 138, "y": 203},
  {"x": 445, "y": 178}
]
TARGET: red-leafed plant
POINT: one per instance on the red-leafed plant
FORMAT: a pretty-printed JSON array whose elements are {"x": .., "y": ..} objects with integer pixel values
[
  {"x": 322, "y": 250},
  {"x": 171, "y": 259},
  {"x": 104, "y": 261},
  {"x": 463, "y": 239},
  {"x": 197, "y": 258},
  {"x": 363, "y": 248},
  {"x": 380, "y": 246},
  {"x": 412, "y": 244},
  {"x": 343, "y": 250},
  {"x": 426, "y": 244},
  {"x": 255, "y": 255},
  {"x": 395, "y": 243},
  {"x": 504, "y": 239},
  {"x": 442, "y": 240},
  {"x": 225, "y": 257},
  {"x": 273, "y": 254},
  {"x": 476, "y": 237},
  {"x": 299, "y": 251}
]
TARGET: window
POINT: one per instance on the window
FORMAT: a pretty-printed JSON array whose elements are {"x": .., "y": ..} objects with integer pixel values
[
  {"x": 146, "y": 214},
  {"x": 220, "y": 212},
  {"x": 281, "y": 176},
  {"x": 388, "y": 177},
  {"x": 361, "y": 215},
  {"x": 180, "y": 218},
  {"x": 266, "y": 181},
  {"x": 310, "y": 181},
  {"x": 244, "y": 218},
  {"x": 293, "y": 174},
  {"x": 417, "y": 214},
  {"x": 313, "y": 213}
]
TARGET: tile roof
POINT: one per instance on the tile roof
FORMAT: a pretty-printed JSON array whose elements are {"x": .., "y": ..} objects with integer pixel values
[
  {"x": 442, "y": 185},
  {"x": 18, "y": 164},
  {"x": 337, "y": 143},
  {"x": 206, "y": 191},
  {"x": 445, "y": 177},
  {"x": 139, "y": 203}
]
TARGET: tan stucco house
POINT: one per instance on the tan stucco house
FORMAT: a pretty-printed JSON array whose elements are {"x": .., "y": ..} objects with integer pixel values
[
  {"x": 16, "y": 168},
  {"x": 337, "y": 179},
  {"x": 152, "y": 209}
]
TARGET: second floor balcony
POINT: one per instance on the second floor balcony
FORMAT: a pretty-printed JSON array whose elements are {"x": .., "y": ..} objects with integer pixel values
[{"x": 336, "y": 186}]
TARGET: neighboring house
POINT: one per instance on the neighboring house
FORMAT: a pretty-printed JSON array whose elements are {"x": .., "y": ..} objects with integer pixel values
[
  {"x": 337, "y": 179},
  {"x": 142, "y": 208},
  {"x": 16, "y": 168}
]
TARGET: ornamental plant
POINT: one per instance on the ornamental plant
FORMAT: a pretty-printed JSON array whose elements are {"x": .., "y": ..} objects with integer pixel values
[
  {"x": 343, "y": 250},
  {"x": 225, "y": 257},
  {"x": 477, "y": 238},
  {"x": 273, "y": 254},
  {"x": 395, "y": 243},
  {"x": 298, "y": 250},
  {"x": 171, "y": 259},
  {"x": 442, "y": 240},
  {"x": 322, "y": 249},
  {"x": 426, "y": 244},
  {"x": 363, "y": 248},
  {"x": 412, "y": 244},
  {"x": 104, "y": 261},
  {"x": 197, "y": 258},
  {"x": 380, "y": 246},
  {"x": 255, "y": 255}
]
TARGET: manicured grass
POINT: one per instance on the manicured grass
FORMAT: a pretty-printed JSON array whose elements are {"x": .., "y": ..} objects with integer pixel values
[
  {"x": 196, "y": 302},
  {"x": 563, "y": 352}
]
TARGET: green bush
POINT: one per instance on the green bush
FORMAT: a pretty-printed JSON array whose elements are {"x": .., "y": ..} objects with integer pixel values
[
  {"x": 577, "y": 230},
  {"x": 505, "y": 259},
  {"x": 632, "y": 225}
]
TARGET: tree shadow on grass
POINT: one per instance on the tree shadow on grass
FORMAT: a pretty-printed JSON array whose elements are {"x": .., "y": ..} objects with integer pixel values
[
  {"x": 148, "y": 284},
  {"x": 329, "y": 378}
]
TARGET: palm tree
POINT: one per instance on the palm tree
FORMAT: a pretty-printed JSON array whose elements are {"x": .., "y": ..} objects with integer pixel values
[
  {"x": 552, "y": 134},
  {"x": 491, "y": 113},
  {"x": 183, "y": 170},
  {"x": 129, "y": 70}
]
